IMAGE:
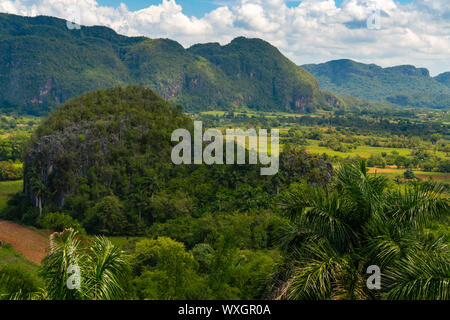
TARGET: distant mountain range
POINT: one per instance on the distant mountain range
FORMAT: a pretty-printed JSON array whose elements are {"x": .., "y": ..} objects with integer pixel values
[
  {"x": 401, "y": 85},
  {"x": 43, "y": 64}
]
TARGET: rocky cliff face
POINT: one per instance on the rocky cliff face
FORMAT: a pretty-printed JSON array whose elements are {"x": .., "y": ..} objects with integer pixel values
[
  {"x": 64, "y": 157},
  {"x": 86, "y": 143}
]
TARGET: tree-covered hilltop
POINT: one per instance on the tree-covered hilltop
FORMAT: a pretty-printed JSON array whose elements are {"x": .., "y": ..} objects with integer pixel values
[
  {"x": 101, "y": 144},
  {"x": 443, "y": 78},
  {"x": 104, "y": 159},
  {"x": 43, "y": 63},
  {"x": 406, "y": 86},
  {"x": 271, "y": 80}
]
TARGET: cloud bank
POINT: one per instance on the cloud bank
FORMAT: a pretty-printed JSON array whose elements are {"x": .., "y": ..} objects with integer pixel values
[{"x": 314, "y": 31}]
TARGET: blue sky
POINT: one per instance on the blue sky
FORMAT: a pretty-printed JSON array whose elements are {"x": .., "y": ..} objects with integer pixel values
[
  {"x": 196, "y": 8},
  {"x": 415, "y": 32}
]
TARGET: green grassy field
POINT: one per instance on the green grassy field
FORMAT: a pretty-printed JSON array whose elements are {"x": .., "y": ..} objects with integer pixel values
[
  {"x": 362, "y": 151},
  {"x": 10, "y": 257},
  {"x": 8, "y": 189},
  {"x": 269, "y": 115}
]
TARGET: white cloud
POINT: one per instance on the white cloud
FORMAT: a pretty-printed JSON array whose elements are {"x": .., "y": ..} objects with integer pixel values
[{"x": 314, "y": 31}]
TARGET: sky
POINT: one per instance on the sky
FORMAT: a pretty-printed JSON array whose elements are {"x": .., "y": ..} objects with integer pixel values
[
  {"x": 384, "y": 32},
  {"x": 197, "y": 8}
]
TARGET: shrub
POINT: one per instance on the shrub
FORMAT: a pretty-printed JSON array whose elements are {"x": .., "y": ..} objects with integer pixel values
[
  {"x": 17, "y": 205},
  {"x": 444, "y": 166},
  {"x": 58, "y": 221},
  {"x": 106, "y": 217},
  {"x": 10, "y": 171},
  {"x": 409, "y": 174}
]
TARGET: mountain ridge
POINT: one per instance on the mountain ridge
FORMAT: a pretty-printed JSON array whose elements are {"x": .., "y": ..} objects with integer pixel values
[
  {"x": 404, "y": 85},
  {"x": 43, "y": 64}
]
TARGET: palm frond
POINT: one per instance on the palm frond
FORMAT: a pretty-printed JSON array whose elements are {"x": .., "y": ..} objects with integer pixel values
[
  {"x": 418, "y": 205},
  {"x": 422, "y": 275},
  {"x": 106, "y": 266},
  {"x": 314, "y": 276},
  {"x": 64, "y": 251}
]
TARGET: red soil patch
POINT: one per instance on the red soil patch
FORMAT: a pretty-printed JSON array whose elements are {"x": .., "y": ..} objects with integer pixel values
[
  {"x": 434, "y": 177},
  {"x": 25, "y": 241}
]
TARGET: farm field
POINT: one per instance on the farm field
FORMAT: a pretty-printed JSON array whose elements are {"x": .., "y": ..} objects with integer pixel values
[
  {"x": 31, "y": 244},
  {"x": 23, "y": 246},
  {"x": 362, "y": 151},
  {"x": 382, "y": 145},
  {"x": 424, "y": 175},
  {"x": 264, "y": 114}
]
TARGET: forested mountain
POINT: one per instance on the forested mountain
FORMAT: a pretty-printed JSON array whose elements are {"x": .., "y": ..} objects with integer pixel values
[
  {"x": 115, "y": 145},
  {"x": 444, "y": 78},
  {"x": 400, "y": 85},
  {"x": 43, "y": 63}
]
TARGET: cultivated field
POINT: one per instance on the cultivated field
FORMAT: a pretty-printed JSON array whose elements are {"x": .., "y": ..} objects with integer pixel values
[{"x": 29, "y": 243}]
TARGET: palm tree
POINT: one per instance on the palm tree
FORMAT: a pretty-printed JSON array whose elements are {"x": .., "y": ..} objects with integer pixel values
[
  {"x": 336, "y": 232},
  {"x": 144, "y": 191},
  {"x": 39, "y": 191},
  {"x": 102, "y": 268}
]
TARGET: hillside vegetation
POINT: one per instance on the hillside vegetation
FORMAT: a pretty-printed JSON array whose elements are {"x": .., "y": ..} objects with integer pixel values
[
  {"x": 100, "y": 166},
  {"x": 406, "y": 86},
  {"x": 43, "y": 63}
]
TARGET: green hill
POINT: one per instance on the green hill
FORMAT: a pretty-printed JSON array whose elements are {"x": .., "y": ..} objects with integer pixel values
[
  {"x": 405, "y": 86},
  {"x": 91, "y": 139},
  {"x": 444, "y": 78},
  {"x": 262, "y": 76},
  {"x": 43, "y": 64}
]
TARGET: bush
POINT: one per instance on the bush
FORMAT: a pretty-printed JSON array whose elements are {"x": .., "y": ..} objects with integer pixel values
[
  {"x": 376, "y": 161},
  {"x": 409, "y": 174},
  {"x": 10, "y": 171},
  {"x": 30, "y": 217},
  {"x": 444, "y": 166},
  {"x": 166, "y": 271},
  {"x": 58, "y": 221},
  {"x": 106, "y": 217},
  {"x": 17, "y": 205}
]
